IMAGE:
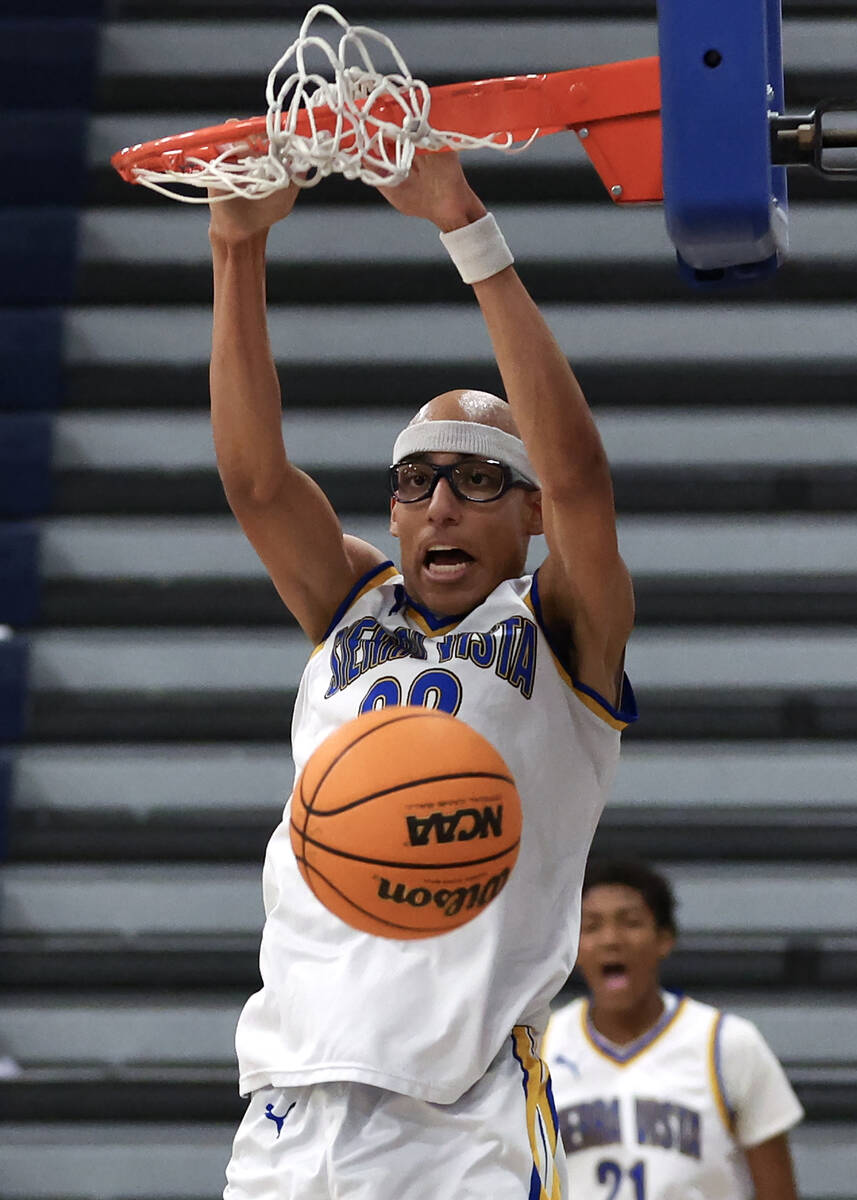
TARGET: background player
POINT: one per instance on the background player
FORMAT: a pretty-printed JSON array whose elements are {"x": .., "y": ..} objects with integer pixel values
[
  {"x": 660, "y": 1097},
  {"x": 410, "y": 1069}
]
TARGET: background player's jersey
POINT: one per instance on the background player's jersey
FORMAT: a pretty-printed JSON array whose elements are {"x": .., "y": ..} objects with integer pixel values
[
  {"x": 666, "y": 1117},
  {"x": 426, "y": 1017}
]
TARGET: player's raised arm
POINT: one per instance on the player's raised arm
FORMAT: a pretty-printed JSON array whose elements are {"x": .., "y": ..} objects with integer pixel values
[
  {"x": 585, "y": 589},
  {"x": 283, "y": 512}
]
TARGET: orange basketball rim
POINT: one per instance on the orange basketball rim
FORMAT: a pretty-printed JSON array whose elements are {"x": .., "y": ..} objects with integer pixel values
[{"x": 614, "y": 109}]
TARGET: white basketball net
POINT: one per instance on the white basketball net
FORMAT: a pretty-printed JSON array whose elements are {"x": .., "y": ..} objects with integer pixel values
[{"x": 361, "y": 146}]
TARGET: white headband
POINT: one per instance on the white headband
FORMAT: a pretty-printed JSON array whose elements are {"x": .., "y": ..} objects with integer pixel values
[{"x": 465, "y": 437}]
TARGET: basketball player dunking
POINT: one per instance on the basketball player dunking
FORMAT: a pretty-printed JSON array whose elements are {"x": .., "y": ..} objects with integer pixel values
[
  {"x": 410, "y": 1069},
  {"x": 660, "y": 1097}
]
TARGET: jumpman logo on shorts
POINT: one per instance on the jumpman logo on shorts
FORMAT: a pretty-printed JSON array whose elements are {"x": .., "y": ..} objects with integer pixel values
[{"x": 272, "y": 1116}]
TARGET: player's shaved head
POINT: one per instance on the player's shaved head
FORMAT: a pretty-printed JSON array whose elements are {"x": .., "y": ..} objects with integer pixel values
[
  {"x": 467, "y": 422},
  {"x": 467, "y": 404}
]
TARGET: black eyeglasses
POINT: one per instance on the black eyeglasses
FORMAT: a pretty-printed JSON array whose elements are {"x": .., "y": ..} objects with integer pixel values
[{"x": 477, "y": 479}]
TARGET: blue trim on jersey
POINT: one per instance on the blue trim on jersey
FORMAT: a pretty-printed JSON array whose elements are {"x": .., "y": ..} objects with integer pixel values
[
  {"x": 627, "y": 711},
  {"x": 718, "y": 1068},
  {"x": 537, "y": 609},
  {"x": 535, "y": 1179},
  {"x": 349, "y": 599},
  {"x": 628, "y": 701},
  {"x": 535, "y": 1184},
  {"x": 539, "y": 1127},
  {"x": 551, "y": 1103},
  {"x": 626, "y": 1053},
  {"x": 431, "y": 619}
]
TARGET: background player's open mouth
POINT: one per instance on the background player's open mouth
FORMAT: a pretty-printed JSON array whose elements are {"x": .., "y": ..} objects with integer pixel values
[{"x": 615, "y": 976}]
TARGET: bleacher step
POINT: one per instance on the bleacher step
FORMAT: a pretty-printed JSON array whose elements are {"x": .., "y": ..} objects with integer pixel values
[
  {"x": 240, "y": 834},
  {"x": 204, "y": 962},
  {"x": 161, "y": 1093},
  {"x": 638, "y": 490},
  {"x": 185, "y": 1159},
  {"x": 265, "y": 715},
  {"x": 763, "y": 600}
]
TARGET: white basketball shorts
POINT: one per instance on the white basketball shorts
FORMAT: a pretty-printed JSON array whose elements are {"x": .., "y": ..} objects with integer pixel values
[{"x": 352, "y": 1141}]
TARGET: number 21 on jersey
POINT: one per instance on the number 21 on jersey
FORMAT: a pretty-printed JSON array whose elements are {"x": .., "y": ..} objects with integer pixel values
[{"x": 611, "y": 1173}]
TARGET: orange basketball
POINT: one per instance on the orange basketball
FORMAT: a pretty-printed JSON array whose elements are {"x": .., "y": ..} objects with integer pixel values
[{"x": 406, "y": 822}]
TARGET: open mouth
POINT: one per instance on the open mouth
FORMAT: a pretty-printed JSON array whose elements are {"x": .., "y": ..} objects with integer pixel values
[
  {"x": 615, "y": 976},
  {"x": 446, "y": 561}
]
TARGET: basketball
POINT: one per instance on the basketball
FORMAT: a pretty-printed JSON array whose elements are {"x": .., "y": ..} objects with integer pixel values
[{"x": 406, "y": 822}]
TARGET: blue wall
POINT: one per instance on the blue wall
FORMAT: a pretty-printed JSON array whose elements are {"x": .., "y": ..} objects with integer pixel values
[{"x": 48, "y": 70}]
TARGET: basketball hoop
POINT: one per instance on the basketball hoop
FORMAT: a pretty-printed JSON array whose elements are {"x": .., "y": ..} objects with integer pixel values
[{"x": 367, "y": 125}]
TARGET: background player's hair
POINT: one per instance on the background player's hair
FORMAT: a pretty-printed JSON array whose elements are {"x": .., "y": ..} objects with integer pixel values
[{"x": 654, "y": 888}]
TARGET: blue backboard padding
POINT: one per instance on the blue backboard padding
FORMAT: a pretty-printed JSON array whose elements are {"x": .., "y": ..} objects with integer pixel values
[
  {"x": 776, "y": 82},
  {"x": 20, "y": 592},
  {"x": 48, "y": 63},
  {"x": 719, "y": 185},
  {"x": 43, "y": 156},
  {"x": 14, "y": 654},
  {"x": 26, "y": 483},
  {"x": 38, "y": 252},
  {"x": 30, "y": 358}
]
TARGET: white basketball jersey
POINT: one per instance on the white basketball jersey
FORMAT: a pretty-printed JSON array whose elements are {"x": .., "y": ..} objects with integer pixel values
[
  {"x": 426, "y": 1017},
  {"x": 650, "y": 1121}
]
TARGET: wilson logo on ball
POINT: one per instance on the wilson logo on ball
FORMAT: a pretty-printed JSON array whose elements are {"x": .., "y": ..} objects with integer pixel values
[
  {"x": 405, "y": 822},
  {"x": 449, "y": 900},
  {"x": 461, "y": 826}
]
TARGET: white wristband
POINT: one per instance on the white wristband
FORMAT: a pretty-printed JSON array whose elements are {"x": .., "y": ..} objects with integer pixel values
[{"x": 478, "y": 250}]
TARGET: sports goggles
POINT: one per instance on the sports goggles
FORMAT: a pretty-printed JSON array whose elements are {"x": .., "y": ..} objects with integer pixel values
[{"x": 478, "y": 479}]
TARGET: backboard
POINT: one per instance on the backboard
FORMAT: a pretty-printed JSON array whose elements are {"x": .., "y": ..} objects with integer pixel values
[{"x": 726, "y": 205}]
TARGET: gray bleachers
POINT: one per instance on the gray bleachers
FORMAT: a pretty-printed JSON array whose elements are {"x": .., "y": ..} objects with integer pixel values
[
  {"x": 186, "y": 1160},
  {"x": 171, "y": 898},
  {"x": 387, "y": 335},
  {"x": 144, "y": 1030},
  {"x": 161, "y": 661},
  {"x": 463, "y": 49},
  {"x": 164, "y": 667},
  {"x": 81, "y": 547},
  {"x": 100, "y": 441},
  {"x": 115, "y": 1159},
  {"x": 177, "y": 1160}
]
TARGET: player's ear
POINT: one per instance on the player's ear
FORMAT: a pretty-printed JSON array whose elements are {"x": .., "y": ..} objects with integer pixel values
[
  {"x": 394, "y": 525},
  {"x": 666, "y": 943},
  {"x": 535, "y": 524}
]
